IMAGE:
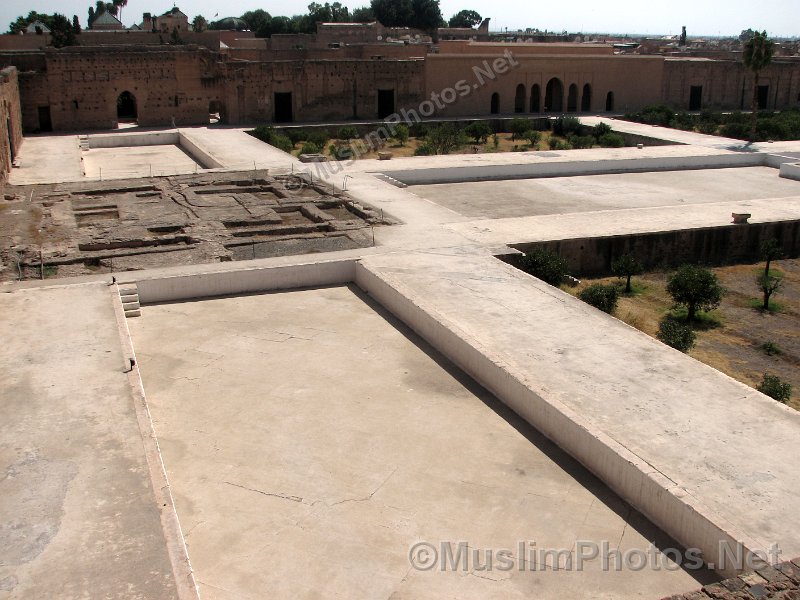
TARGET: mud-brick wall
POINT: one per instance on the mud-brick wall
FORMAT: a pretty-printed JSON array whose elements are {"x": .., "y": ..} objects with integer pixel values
[
  {"x": 83, "y": 85},
  {"x": 726, "y": 84},
  {"x": 10, "y": 120},
  {"x": 322, "y": 90},
  {"x": 711, "y": 246}
]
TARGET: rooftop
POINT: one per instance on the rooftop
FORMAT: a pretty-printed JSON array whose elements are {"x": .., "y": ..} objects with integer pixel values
[{"x": 324, "y": 413}]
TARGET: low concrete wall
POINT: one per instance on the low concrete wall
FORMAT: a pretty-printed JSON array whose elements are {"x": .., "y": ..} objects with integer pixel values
[
  {"x": 633, "y": 139},
  {"x": 126, "y": 140},
  {"x": 575, "y": 168},
  {"x": 776, "y": 160},
  {"x": 244, "y": 281},
  {"x": 790, "y": 170},
  {"x": 659, "y": 498},
  {"x": 197, "y": 153},
  {"x": 156, "y": 138},
  {"x": 709, "y": 245}
]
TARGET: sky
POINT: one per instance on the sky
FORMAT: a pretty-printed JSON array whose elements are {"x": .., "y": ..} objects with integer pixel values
[{"x": 781, "y": 18}]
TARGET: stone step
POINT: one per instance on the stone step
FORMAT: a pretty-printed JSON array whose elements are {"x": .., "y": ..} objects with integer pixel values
[
  {"x": 129, "y": 298},
  {"x": 133, "y": 313},
  {"x": 134, "y": 305}
]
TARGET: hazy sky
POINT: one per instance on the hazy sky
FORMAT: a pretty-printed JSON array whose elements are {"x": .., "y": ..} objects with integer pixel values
[{"x": 701, "y": 17}]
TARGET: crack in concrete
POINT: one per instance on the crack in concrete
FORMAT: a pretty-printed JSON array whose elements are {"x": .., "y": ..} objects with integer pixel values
[
  {"x": 474, "y": 574},
  {"x": 588, "y": 511},
  {"x": 297, "y": 499},
  {"x": 396, "y": 590},
  {"x": 625, "y": 528},
  {"x": 368, "y": 497},
  {"x": 222, "y": 589},
  {"x": 191, "y": 529}
]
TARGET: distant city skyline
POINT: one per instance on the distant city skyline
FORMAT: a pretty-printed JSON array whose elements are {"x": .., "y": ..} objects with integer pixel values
[{"x": 780, "y": 18}]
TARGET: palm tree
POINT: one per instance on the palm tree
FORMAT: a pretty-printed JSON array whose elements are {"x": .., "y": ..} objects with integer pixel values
[
  {"x": 119, "y": 4},
  {"x": 757, "y": 55}
]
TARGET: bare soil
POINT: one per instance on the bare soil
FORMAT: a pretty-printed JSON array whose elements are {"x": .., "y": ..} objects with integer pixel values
[
  {"x": 735, "y": 345},
  {"x": 85, "y": 228}
]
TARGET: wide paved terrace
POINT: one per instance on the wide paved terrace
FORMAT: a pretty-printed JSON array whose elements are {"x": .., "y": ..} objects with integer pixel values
[
  {"x": 311, "y": 440},
  {"x": 587, "y": 193}
]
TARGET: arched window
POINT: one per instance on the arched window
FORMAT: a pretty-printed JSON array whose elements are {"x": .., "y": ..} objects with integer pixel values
[
  {"x": 609, "y": 101},
  {"x": 572, "y": 99},
  {"x": 519, "y": 99},
  {"x": 536, "y": 98},
  {"x": 586, "y": 98},
  {"x": 554, "y": 96},
  {"x": 495, "y": 108}
]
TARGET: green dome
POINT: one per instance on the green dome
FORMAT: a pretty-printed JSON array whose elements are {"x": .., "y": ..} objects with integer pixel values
[{"x": 233, "y": 23}]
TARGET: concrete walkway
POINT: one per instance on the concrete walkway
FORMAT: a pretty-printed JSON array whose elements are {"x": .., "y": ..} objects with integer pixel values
[
  {"x": 48, "y": 159},
  {"x": 624, "y": 222},
  {"x": 236, "y": 150},
  {"x": 627, "y": 406},
  {"x": 79, "y": 517},
  {"x": 690, "y": 137}
]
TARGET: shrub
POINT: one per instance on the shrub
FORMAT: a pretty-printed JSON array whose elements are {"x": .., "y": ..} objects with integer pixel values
[
  {"x": 582, "y": 141},
  {"x": 739, "y": 131},
  {"x": 318, "y": 137},
  {"x": 424, "y": 150},
  {"x": 340, "y": 151},
  {"x": 518, "y": 127},
  {"x": 771, "y": 348},
  {"x": 695, "y": 287},
  {"x": 478, "y": 131},
  {"x": 400, "y": 133},
  {"x": 418, "y": 130},
  {"x": 309, "y": 148},
  {"x": 676, "y": 334},
  {"x": 683, "y": 121},
  {"x": 603, "y": 297},
  {"x": 775, "y": 388},
  {"x": 270, "y": 136},
  {"x": 263, "y": 132},
  {"x": 658, "y": 114},
  {"x": 707, "y": 127},
  {"x": 566, "y": 126},
  {"x": 445, "y": 138},
  {"x": 348, "y": 132},
  {"x": 737, "y": 117},
  {"x": 296, "y": 134},
  {"x": 709, "y": 116},
  {"x": 532, "y": 136},
  {"x": 282, "y": 142},
  {"x": 601, "y": 129},
  {"x": 611, "y": 140},
  {"x": 557, "y": 144},
  {"x": 495, "y": 141},
  {"x": 544, "y": 264}
]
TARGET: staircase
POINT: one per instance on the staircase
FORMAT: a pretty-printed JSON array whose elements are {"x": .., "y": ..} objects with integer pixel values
[
  {"x": 130, "y": 300},
  {"x": 83, "y": 142}
]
